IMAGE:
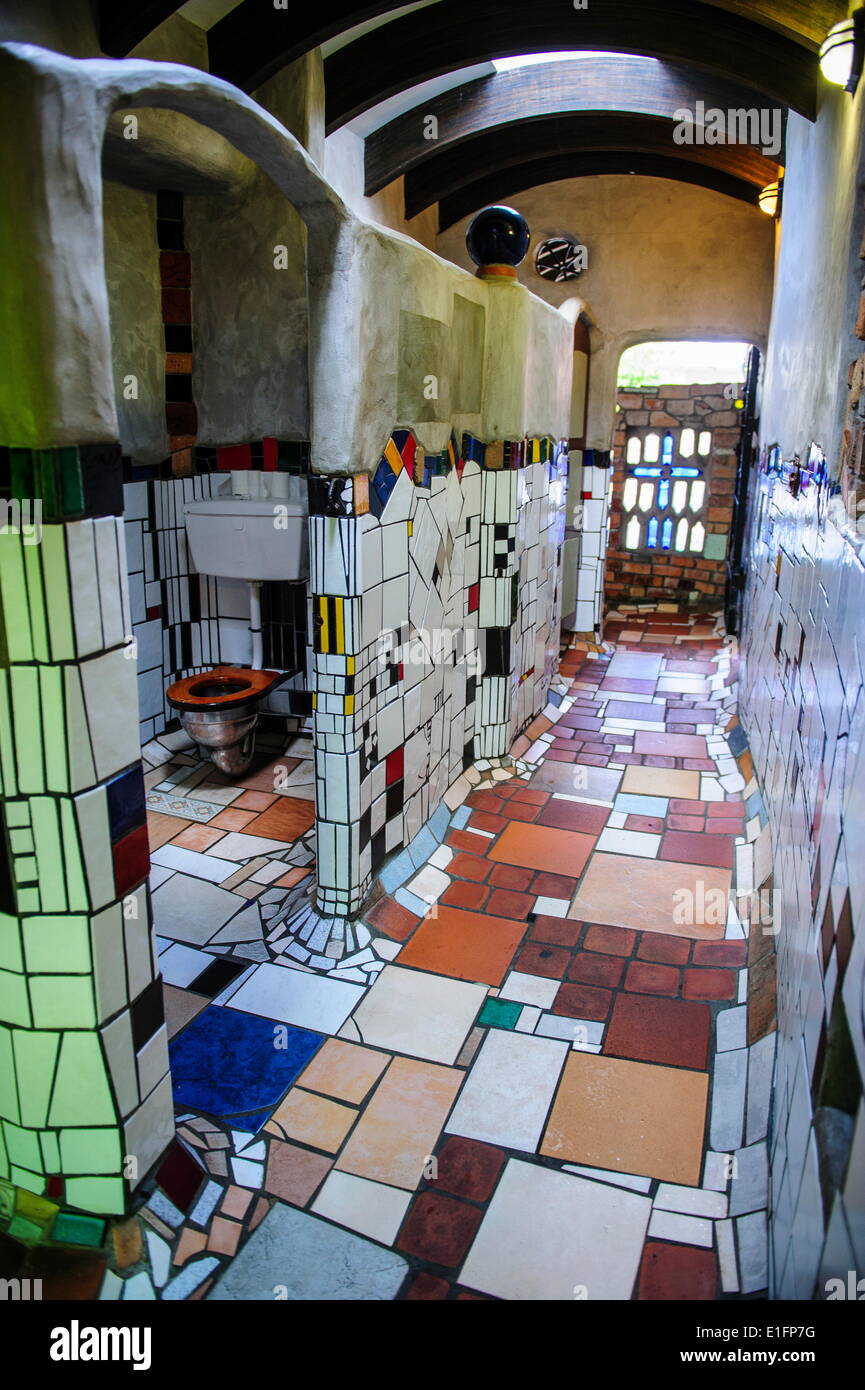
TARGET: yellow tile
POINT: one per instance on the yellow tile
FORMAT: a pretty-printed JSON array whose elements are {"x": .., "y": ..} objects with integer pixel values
[
  {"x": 312, "y": 1120},
  {"x": 344, "y": 1070}
]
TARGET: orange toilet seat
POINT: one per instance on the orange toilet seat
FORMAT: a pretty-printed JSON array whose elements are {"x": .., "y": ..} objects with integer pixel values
[{"x": 222, "y": 688}]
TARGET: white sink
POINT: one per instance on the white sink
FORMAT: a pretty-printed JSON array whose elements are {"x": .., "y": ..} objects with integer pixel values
[{"x": 252, "y": 540}]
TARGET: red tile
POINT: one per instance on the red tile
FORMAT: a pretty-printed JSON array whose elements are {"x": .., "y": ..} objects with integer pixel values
[
  {"x": 485, "y": 800},
  {"x": 469, "y": 866},
  {"x": 574, "y": 815},
  {"x": 669, "y": 950},
  {"x": 439, "y": 1229},
  {"x": 691, "y": 823},
  {"x": 582, "y": 1001},
  {"x": 591, "y": 968},
  {"x": 511, "y": 876},
  {"x": 468, "y": 1168},
  {"x": 645, "y": 978},
  {"x": 710, "y": 984},
  {"x": 481, "y": 820},
  {"x": 732, "y": 810},
  {"x": 723, "y": 827},
  {"x": 558, "y": 930},
  {"x": 653, "y": 825},
  {"x": 650, "y": 1028},
  {"x": 698, "y": 765},
  {"x": 531, "y": 797},
  {"x": 615, "y": 941},
  {"x": 591, "y": 760},
  {"x": 680, "y": 807},
  {"x": 464, "y": 894},
  {"x": 464, "y": 839},
  {"x": 538, "y": 959},
  {"x": 391, "y": 918},
  {"x": 427, "y": 1286},
  {"x": 687, "y": 848},
  {"x": 731, "y": 953},
  {"x": 677, "y": 1273},
  {"x": 505, "y": 903},
  {"x": 131, "y": 858},
  {"x": 554, "y": 886},
  {"x": 518, "y": 810},
  {"x": 558, "y": 755}
]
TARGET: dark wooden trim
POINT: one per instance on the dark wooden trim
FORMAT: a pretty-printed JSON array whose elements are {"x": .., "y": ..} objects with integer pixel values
[
  {"x": 254, "y": 41},
  {"x": 619, "y": 82},
  {"x": 123, "y": 25},
  {"x": 574, "y": 134},
  {"x": 506, "y": 183},
  {"x": 450, "y": 35}
]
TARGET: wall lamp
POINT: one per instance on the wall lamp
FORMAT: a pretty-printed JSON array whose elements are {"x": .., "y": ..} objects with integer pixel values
[
  {"x": 842, "y": 51},
  {"x": 769, "y": 198}
]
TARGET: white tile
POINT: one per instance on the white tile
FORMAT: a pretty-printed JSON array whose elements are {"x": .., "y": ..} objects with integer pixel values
[
  {"x": 749, "y": 1189},
  {"x": 527, "y": 1019},
  {"x": 691, "y": 1201},
  {"x": 239, "y": 847},
  {"x": 582, "y": 1033},
  {"x": 370, "y": 1208},
  {"x": 551, "y": 907},
  {"x": 629, "y": 1180},
  {"x": 728, "y": 1100},
  {"x": 730, "y": 1029},
  {"x": 189, "y": 861},
  {"x": 685, "y": 1230},
  {"x": 554, "y": 1236},
  {"x": 429, "y": 884},
  {"x": 753, "y": 1251},
  {"x": 530, "y": 989},
  {"x": 294, "y": 996},
  {"x": 727, "y": 1257},
  {"x": 421, "y": 1014},
  {"x": 637, "y": 842},
  {"x": 509, "y": 1089}
]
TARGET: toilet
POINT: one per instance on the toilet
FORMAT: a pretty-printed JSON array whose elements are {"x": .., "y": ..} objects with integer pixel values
[{"x": 218, "y": 709}]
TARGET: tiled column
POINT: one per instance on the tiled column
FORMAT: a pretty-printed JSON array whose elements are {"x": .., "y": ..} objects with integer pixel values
[{"x": 85, "y": 1098}]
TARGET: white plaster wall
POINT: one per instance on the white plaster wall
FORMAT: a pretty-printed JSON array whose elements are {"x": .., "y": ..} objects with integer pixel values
[
  {"x": 343, "y": 168},
  {"x": 665, "y": 260}
]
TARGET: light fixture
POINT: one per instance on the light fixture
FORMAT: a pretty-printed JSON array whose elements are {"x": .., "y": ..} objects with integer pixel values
[
  {"x": 841, "y": 51},
  {"x": 769, "y": 198}
]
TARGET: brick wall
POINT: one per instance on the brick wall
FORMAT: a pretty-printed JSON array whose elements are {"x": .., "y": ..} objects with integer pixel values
[{"x": 689, "y": 579}]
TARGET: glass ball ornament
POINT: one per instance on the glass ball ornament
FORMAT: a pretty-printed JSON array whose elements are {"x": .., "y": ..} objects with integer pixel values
[{"x": 497, "y": 236}]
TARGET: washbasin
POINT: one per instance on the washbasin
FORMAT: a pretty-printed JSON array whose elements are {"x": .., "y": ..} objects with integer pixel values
[{"x": 237, "y": 538}]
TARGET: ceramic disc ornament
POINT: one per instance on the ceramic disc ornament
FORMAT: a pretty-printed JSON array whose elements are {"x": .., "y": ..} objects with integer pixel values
[{"x": 559, "y": 258}]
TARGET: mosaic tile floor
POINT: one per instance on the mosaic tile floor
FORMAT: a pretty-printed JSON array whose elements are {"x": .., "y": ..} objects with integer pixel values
[{"x": 537, "y": 1071}]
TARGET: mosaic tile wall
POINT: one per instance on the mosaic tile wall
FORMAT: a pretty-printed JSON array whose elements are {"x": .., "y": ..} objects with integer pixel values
[
  {"x": 435, "y": 593},
  {"x": 587, "y": 536},
  {"x": 85, "y": 1098},
  {"x": 803, "y": 705},
  {"x": 685, "y": 578}
]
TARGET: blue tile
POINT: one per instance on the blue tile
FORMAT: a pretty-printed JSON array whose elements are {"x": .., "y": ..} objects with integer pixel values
[
  {"x": 415, "y": 905},
  {"x": 554, "y": 698},
  {"x": 630, "y": 804},
  {"x": 440, "y": 822},
  {"x": 460, "y": 817},
  {"x": 396, "y": 871},
  {"x": 422, "y": 846},
  {"x": 737, "y": 741},
  {"x": 230, "y": 1063}
]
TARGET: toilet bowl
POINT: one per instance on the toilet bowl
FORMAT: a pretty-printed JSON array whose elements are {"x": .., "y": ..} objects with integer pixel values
[{"x": 218, "y": 709}]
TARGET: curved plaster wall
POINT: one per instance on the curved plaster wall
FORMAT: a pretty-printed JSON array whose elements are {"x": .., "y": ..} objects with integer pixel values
[{"x": 665, "y": 260}]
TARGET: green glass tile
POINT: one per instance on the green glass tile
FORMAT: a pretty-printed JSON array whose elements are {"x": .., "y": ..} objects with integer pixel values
[
  {"x": 76, "y": 887},
  {"x": 70, "y": 1229},
  {"x": 4, "y": 1167},
  {"x": 38, "y": 625},
  {"x": 90, "y": 1150},
  {"x": 56, "y": 587},
  {"x": 500, "y": 1013},
  {"x": 50, "y": 1151},
  {"x": 54, "y": 726},
  {"x": 82, "y": 771},
  {"x": 10, "y": 943},
  {"x": 8, "y": 1091},
  {"x": 57, "y": 945},
  {"x": 27, "y": 1232},
  {"x": 36, "y": 1208},
  {"x": 82, "y": 1094},
  {"x": 13, "y": 597},
  {"x": 49, "y": 853},
  {"x": 35, "y": 1059},
  {"x": 62, "y": 1001},
  {"x": 7, "y": 1200},
  {"x": 45, "y": 483},
  {"x": 22, "y": 1146},
  {"x": 71, "y": 487},
  {"x": 21, "y": 468},
  {"x": 91, "y": 809},
  {"x": 29, "y": 900},
  {"x": 21, "y": 840},
  {"x": 31, "y": 1183},
  {"x": 109, "y": 960},
  {"x": 27, "y": 727},
  {"x": 8, "y": 770},
  {"x": 14, "y": 1005},
  {"x": 26, "y": 869},
  {"x": 17, "y": 813},
  {"x": 103, "y": 1195}
]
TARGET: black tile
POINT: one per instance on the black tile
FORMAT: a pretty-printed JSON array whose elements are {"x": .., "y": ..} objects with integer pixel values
[
  {"x": 147, "y": 1014},
  {"x": 217, "y": 977},
  {"x": 169, "y": 235},
  {"x": 127, "y": 808},
  {"x": 178, "y": 386},
  {"x": 169, "y": 204},
  {"x": 178, "y": 337},
  {"x": 102, "y": 479}
]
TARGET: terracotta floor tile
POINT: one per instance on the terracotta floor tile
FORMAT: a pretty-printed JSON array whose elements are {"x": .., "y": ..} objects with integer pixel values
[
  {"x": 392, "y": 918},
  {"x": 574, "y": 815},
  {"x": 224, "y": 1236},
  {"x": 684, "y": 847},
  {"x": 730, "y": 953},
  {"x": 629, "y": 1117},
  {"x": 231, "y": 819},
  {"x": 650, "y": 781},
  {"x": 614, "y": 941},
  {"x": 719, "y": 827},
  {"x": 461, "y": 893},
  {"x": 686, "y": 823},
  {"x": 199, "y": 837},
  {"x": 536, "y": 958},
  {"x": 401, "y": 1124},
  {"x": 644, "y": 977},
  {"x": 582, "y": 1001},
  {"x": 554, "y": 886},
  {"x": 294, "y": 1174},
  {"x": 650, "y": 825},
  {"x": 506, "y": 903},
  {"x": 254, "y": 801},
  {"x": 469, "y": 866},
  {"x": 647, "y": 1028},
  {"x": 467, "y": 1168},
  {"x": 531, "y": 796},
  {"x": 519, "y": 811},
  {"x": 287, "y": 819},
  {"x": 674, "y": 745},
  {"x": 626, "y": 685},
  {"x": 509, "y": 876},
  {"x": 344, "y": 1070},
  {"x": 162, "y": 828},
  {"x": 542, "y": 847},
  {"x": 465, "y": 840},
  {"x": 557, "y": 930},
  {"x": 312, "y": 1120},
  {"x": 710, "y": 984},
  {"x": 648, "y": 895},
  {"x": 668, "y": 950},
  {"x": 427, "y": 1287},
  {"x": 483, "y": 820},
  {"x": 292, "y": 877},
  {"x": 591, "y": 968},
  {"x": 439, "y": 1229},
  {"x": 677, "y": 1272},
  {"x": 464, "y": 945}
]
